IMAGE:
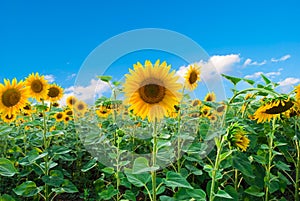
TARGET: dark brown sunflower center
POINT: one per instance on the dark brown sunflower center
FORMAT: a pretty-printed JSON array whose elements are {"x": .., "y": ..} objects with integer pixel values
[
  {"x": 67, "y": 118},
  {"x": 193, "y": 77},
  {"x": 152, "y": 93},
  {"x": 220, "y": 108},
  {"x": 27, "y": 107},
  {"x": 9, "y": 117},
  {"x": 280, "y": 108},
  {"x": 209, "y": 98},
  {"x": 11, "y": 97},
  {"x": 80, "y": 107},
  {"x": 59, "y": 116},
  {"x": 72, "y": 101},
  {"x": 37, "y": 86},
  {"x": 69, "y": 112},
  {"x": 53, "y": 92},
  {"x": 195, "y": 103}
]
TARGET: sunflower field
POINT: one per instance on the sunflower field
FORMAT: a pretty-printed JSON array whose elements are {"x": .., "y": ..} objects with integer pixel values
[{"x": 149, "y": 140}]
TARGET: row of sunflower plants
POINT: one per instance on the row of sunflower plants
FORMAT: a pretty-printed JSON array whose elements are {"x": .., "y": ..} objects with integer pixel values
[{"x": 149, "y": 141}]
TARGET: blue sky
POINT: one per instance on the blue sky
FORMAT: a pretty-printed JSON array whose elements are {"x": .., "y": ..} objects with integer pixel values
[{"x": 55, "y": 37}]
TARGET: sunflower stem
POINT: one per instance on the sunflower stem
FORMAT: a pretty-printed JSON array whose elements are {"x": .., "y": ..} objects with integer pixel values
[
  {"x": 297, "y": 171},
  {"x": 47, "y": 195},
  {"x": 154, "y": 154},
  {"x": 178, "y": 133}
]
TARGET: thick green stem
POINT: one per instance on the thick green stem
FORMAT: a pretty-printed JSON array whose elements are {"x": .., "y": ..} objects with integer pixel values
[
  {"x": 154, "y": 154},
  {"x": 236, "y": 178},
  {"x": 297, "y": 172},
  {"x": 178, "y": 134},
  {"x": 46, "y": 159},
  {"x": 270, "y": 157}
]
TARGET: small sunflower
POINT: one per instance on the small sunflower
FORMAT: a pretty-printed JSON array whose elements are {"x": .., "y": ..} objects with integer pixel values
[
  {"x": 238, "y": 137},
  {"x": 37, "y": 85},
  {"x": 205, "y": 111},
  {"x": 151, "y": 90},
  {"x": 213, "y": 118},
  {"x": 13, "y": 96},
  {"x": 69, "y": 112},
  {"x": 174, "y": 112},
  {"x": 8, "y": 118},
  {"x": 241, "y": 141},
  {"x": 272, "y": 109},
  {"x": 55, "y": 104},
  {"x": 55, "y": 93},
  {"x": 71, "y": 101},
  {"x": 67, "y": 119},
  {"x": 59, "y": 116},
  {"x": 103, "y": 111},
  {"x": 210, "y": 97},
  {"x": 196, "y": 102},
  {"x": 27, "y": 110},
  {"x": 220, "y": 109},
  {"x": 192, "y": 76},
  {"x": 80, "y": 108}
]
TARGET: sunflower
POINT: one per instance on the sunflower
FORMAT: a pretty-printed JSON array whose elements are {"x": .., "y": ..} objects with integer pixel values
[
  {"x": 59, "y": 116},
  {"x": 205, "y": 111},
  {"x": 55, "y": 104},
  {"x": 71, "y": 101},
  {"x": 241, "y": 141},
  {"x": 248, "y": 96},
  {"x": 67, "y": 119},
  {"x": 237, "y": 137},
  {"x": 151, "y": 90},
  {"x": 196, "y": 102},
  {"x": 13, "y": 96},
  {"x": 80, "y": 108},
  {"x": 8, "y": 118},
  {"x": 210, "y": 97},
  {"x": 272, "y": 109},
  {"x": 103, "y": 111},
  {"x": 37, "y": 85},
  {"x": 27, "y": 110},
  {"x": 69, "y": 112},
  {"x": 220, "y": 109},
  {"x": 55, "y": 93},
  {"x": 174, "y": 112},
  {"x": 192, "y": 76},
  {"x": 213, "y": 118},
  {"x": 297, "y": 89}
]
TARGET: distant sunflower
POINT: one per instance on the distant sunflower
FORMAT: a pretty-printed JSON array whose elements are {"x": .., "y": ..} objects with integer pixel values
[
  {"x": 55, "y": 93},
  {"x": 8, "y": 118},
  {"x": 71, "y": 101},
  {"x": 220, "y": 109},
  {"x": 151, "y": 90},
  {"x": 210, "y": 97},
  {"x": 69, "y": 112},
  {"x": 248, "y": 96},
  {"x": 272, "y": 109},
  {"x": 192, "y": 76},
  {"x": 27, "y": 110},
  {"x": 59, "y": 116},
  {"x": 80, "y": 108},
  {"x": 13, "y": 96},
  {"x": 174, "y": 112},
  {"x": 205, "y": 111},
  {"x": 196, "y": 102},
  {"x": 55, "y": 104},
  {"x": 37, "y": 85},
  {"x": 103, "y": 111},
  {"x": 67, "y": 119},
  {"x": 213, "y": 118}
]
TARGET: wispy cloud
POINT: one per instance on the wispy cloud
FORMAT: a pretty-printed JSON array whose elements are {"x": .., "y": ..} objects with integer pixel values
[
  {"x": 88, "y": 93},
  {"x": 272, "y": 74},
  {"x": 249, "y": 62},
  {"x": 50, "y": 78},
  {"x": 283, "y": 58},
  {"x": 287, "y": 84},
  {"x": 71, "y": 76}
]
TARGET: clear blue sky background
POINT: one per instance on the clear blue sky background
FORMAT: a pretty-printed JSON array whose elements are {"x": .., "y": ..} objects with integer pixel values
[{"x": 55, "y": 37}]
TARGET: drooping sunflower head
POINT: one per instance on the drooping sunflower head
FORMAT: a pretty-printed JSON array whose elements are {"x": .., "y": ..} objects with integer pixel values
[
  {"x": 80, "y": 108},
  {"x": 238, "y": 137},
  {"x": 71, "y": 101},
  {"x": 38, "y": 86},
  {"x": 210, "y": 97},
  {"x": 103, "y": 111},
  {"x": 297, "y": 90},
  {"x": 8, "y": 118},
  {"x": 151, "y": 90},
  {"x": 192, "y": 76},
  {"x": 272, "y": 109},
  {"x": 55, "y": 93},
  {"x": 13, "y": 96},
  {"x": 59, "y": 116}
]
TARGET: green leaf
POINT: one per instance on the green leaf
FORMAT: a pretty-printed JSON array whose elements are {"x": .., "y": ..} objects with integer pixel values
[
  {"x": 5, "y": 130},
  {"x": 105, "y": 78},
  {"x": 108, "y": 170},
  {"x": 108, "y": 193},
  {"x": 66, "y": 187},
  {"x": 174, "y": 180},
  {"x": 92, "y": 163},
  {"x": 241, "y": 162},
  {"x": 141, "y": 165},
  {"x": 7, "y": 168},
  {"x": 255, "y": 191},
  {"x": 234, "y": 80},
  {"x": 251, "y": 82},
  {"x": 223, "y": 194},
  {"x": 197, "y": 194},
  {"x": 52, "y": 180},
  {"x": 6, "y": 197},
  {"x": 283, "y": 166},
  {"x": 27, "y": 189},
  {"x": 129, "y": 195},
  {"x": 166, "y": 198},
  {"x": 138, "y": 180},
  {"x": 267, "y": 81},
  {"x": 116, "y": 83}
]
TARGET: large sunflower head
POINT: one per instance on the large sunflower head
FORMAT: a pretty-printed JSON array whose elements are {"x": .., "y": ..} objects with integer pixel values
[
  {"x": 272, "y": 109},
  {"x": 55, "y": 93},
  {"x": 71, "y": 101},
  {"x": 192, "y": 76},
  {"x": 13, "y": 96},
  {"x": 38, "y": 86},
  {"x": 151, "y": 90}
]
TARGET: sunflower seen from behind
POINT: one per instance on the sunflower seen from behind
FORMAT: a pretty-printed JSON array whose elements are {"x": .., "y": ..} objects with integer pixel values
[
  {"x": 13, "y": 96},
  {"x": 55, "y": 93},
  {"x": 192, "y": 76},
  {"x": 37, "y": 86},
  {"x": 151, "y": 90}
]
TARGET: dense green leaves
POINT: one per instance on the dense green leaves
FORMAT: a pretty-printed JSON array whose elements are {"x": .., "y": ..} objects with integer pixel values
[{"x": 7, "y": 168}]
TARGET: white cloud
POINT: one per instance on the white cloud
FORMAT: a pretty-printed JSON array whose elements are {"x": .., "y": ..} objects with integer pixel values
[
  {"x": 249, "y": 62},
  {"x": 71, "y": 76},
  {"x": 254, "y": 75},
  {"x": 50, "y": 78},
  {"x": 269, "y": 74},
  {"x": 289, "y": 81},
  {"x": 96, "y": 88},
  {"x": 283, "y": 58}
]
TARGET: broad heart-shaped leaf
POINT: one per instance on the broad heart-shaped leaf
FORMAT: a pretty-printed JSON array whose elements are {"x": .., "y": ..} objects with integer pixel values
[
  {"x": 105, "y": 78},
  {"x": 92, "y": 163},
  {"x": 141, "y": 165},
  {"x": 6, "y": 197},
  {"x": 234, "y": 80},
  {"x": 174, "y": 180},
  {"x": 108, "y": 193},
  {"x": 255, "y": 191},
  {"x": 66, "y": 187},
  {"x": 7, "y": 168},
  {"x": 27, "y": 189},
  {"x": 197, "y": 194},
  {"x": 223, "y": 194},
  {"x": 138, "y": 180},
  {"x": 241, "y": 162},
  {"x": 5, "y": 130}
]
